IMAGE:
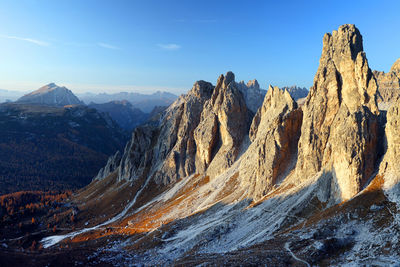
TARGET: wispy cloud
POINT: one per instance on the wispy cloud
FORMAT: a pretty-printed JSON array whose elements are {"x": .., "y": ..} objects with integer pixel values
[
  {"x": 108, "y": 46},
  {"x": 170, "y": 47},
  {"x": 30, "y": 40}
]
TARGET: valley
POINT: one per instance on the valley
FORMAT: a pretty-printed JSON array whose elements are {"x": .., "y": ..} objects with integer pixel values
[{"x": 199, "y": 133}]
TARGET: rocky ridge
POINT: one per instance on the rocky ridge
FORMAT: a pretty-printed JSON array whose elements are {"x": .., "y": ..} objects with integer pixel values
[
  {"x": 123, "y": 113},
  {"x": 274, "y": 134},
  {"x": 204, "y": 131},
  {"x": 252, "y": 93},
  {"x": 296, "y": 92},
  {"x": 389, "y": 85},
  {"x": 228, "y": 179}
]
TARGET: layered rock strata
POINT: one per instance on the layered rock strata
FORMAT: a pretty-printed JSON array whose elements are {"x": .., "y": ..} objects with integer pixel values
[
  {"x": 339, "y": 131},
  {"x": 274, "y": 133},
  {"x": 389, "y": 85}
]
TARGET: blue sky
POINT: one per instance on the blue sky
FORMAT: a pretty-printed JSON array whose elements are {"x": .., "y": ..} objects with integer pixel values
[{"x": 144, "y": 46}]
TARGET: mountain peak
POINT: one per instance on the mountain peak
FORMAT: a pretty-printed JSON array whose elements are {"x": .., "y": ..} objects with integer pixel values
[
  {"x": 229, "y": 77},
  {"x": 344, "y": 91},
  {"x": 346, "y": 41},
  {"x": 396, "y": 66},
  {"x": 51, "y": 94},
  {"x": 52, "y": 85},
  {"x": 253, "y": 84}
]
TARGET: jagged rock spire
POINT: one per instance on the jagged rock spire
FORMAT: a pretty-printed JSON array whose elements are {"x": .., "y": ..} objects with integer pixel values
[
  {"x": 339, "y": 131},
  {"x": 274, "y": 133},
  {"x": 253, "y": 84},
  {"x": 224, "y": 124}
]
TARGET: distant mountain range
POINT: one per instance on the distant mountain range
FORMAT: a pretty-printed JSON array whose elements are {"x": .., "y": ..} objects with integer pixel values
[
  {"x": 123, "y": 113},
  {"x": 9, "y": 95},
  {"x": 128, "y": 110},
  {"x": 145, "y": 102},
  {"x": 51, "y": 140},
  {"x": 296, "y": 92}
]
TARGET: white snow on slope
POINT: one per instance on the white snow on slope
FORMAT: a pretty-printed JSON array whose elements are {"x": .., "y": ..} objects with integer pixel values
[{"x": 52, "y": 240}]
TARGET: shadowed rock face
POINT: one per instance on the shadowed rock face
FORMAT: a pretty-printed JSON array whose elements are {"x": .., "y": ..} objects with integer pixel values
[
  {"x": 390, "y": 165},
  {"x": 223, "y": 126},
  {"x": 339, "y": 131},
  {"x": 112, "y": 164},
  {"x": 252, "y": 93},
  {"x": 138, "y": 154},
  {"x": 176, "y": 140},
  {"x": 274, "y": 133},
  {"x": 389, "y": 85},
  {"x": 199, "y": 128}
]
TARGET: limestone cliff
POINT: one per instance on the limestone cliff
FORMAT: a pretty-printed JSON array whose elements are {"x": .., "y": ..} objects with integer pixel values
[
  {"x": 112, "y": 165},
  {"x": 175, "y": 148},
  {"x": 390, "y": 166},
  {"x": 224, "y": 123},
  {"x": 339, "y": 131},
  {"x": 389, "y": 85},
  {"x": 202, "y": 130},
  {"x": 252, "y": 94},
  {"x": 274, "y": 133}
]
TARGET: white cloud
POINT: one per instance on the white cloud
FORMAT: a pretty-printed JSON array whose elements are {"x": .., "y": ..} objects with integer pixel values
[
  {"x": 170, "y": 47},
  {"x": 30, "y": 40},
  {"x": 108, "y": 46}
]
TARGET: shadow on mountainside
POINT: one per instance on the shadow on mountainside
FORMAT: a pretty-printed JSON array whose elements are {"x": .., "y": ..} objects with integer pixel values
[{"x": 230, "y": 229}]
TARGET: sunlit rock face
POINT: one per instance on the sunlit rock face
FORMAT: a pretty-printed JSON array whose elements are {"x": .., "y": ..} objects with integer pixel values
[
  {"x": 202, "y": 130},
  {"x": 224, "y": 124},
  {"x": 166, "y": 151},
  {"x": 339, "y": 131},
  {"x": 274, "y": 134}
]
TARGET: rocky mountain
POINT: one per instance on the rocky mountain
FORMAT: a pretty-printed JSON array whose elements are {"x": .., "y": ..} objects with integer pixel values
[
  {"x": 296, "y": 92},
  {"x": 215, "y": 183},
  {"x": 53, "y": 148},
  {"x": 123, "y": 113},
  {"x": 254, "y": 95},
  {"x": 51, "y": 94},
  {"x": 144, "y": 102},
  {"x": 389, "y": 85},
  {"x": 340, "y": 124}
]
